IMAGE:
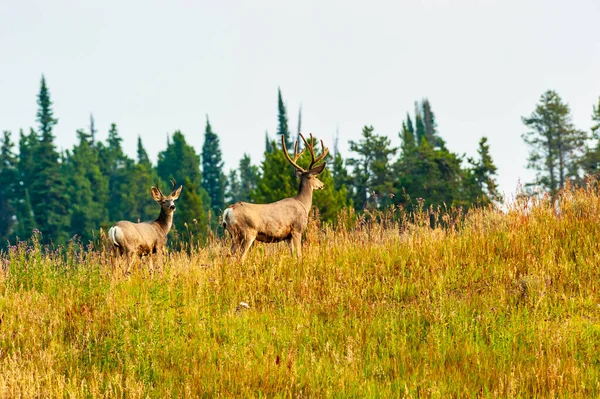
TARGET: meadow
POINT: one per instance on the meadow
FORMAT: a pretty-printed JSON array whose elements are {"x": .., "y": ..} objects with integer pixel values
[{"x": 488, "y": 304}]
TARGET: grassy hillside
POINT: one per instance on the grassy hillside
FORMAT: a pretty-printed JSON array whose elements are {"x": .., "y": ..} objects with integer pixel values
[{"x": 499, "y": 305}]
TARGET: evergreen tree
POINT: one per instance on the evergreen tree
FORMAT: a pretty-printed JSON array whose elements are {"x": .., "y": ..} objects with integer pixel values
[
  {"x": 481, "y": 177},
  {"x": 249, "y": 175},
  {"x": 232, "y": 194},
  {"x": 282, "y": 120},
  {"x": 8, "y": 188},
  {"x": 420, "y": 124},
  {"x": 341, "y": 177},
  {"x": 25, "y": 219},
  {"x": 590, "y": 162},
  {"x": 93, "y": 129},
  {"x": 213, "y": 178},
  {"x": 299, "y": 129},
  {"x": 429, "y": 122},
  {"x": 181, "y": 162},
  {"x": 277, "y": 179},
  {"x": 142, "y": 155},
  {"x": 118, "y": 168},
  {"x": 87, "y": 187},
  {"x": 596, "y": 117},
  {"x": 144, "y": 177},
  {"x": 372, "y": 169},
  {"x": 191, "y": 212},
  {"x": 425, "y": 170},
  {"x": 48, "y": 199},
  {"x": 555, "y": 142}
]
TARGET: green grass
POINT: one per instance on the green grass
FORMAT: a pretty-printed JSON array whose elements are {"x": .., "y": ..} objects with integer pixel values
[{"x": 498, "y": 305}]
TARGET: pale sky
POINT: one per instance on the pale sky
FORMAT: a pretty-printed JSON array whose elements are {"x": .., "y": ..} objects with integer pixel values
[{"x": 153, "y": 67}]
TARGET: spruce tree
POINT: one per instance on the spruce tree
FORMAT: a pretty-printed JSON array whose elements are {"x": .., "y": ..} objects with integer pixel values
[
  {"x": 590, "y": 163},
  {"x": 232, "y": 192},
  {"x": 88, "y": 188},
  {"x": 282, "y": 120},
  {"x": 144, "y": 177},
  {"x": 339, "y": 172},
  {"x": 8, "y": 188},
  {"x": 213, "y": 178},
  {"x": 556, "y": 145},
  {"x": 118, "y": 168},
  {"x": 277, "y": 179},
  {"x": 47, "y": 191},
  {"x": 481, "y": 176},
  {"x": 249, "y": 175},
  {"x": 372, "y": 169},
  {"x": 181, "y": 162}
]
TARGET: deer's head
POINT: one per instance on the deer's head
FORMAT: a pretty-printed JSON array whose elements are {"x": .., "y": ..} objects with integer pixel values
[
  {"x": 309, "y": 175},
  {"x": 167, "y": 203}
]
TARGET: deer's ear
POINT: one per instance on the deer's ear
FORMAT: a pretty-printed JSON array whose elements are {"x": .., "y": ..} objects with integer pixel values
[
  {"x": 317, "y": 169},
  {"x": 175, "y": 194},
  {"x": 156, "y": 195},
  {"x": 298, "y": 172}
]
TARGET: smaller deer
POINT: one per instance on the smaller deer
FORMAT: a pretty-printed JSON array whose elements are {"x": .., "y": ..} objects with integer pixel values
[
  {"x": 148, "y": 237},
  {"x": 285, "y": 219}
]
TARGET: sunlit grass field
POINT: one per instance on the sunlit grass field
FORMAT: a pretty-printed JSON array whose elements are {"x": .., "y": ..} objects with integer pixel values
[{"x": 493, "y": 304}]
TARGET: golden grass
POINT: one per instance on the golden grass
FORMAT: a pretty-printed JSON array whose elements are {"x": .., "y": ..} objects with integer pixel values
[{"x": 497, "y": 305}]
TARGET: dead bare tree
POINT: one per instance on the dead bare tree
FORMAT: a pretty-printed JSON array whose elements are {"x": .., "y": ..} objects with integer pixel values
[
  {"x": 147, "y": 237},
  {"x": 283, "y": 220}
]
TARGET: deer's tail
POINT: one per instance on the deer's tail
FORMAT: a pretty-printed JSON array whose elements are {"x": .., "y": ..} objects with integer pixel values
[
  {"x": 227, "y": 218},
  {"x": 115, "y": 234}
]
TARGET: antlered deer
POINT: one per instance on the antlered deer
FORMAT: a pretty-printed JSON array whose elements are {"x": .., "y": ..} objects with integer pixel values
[
  {"x": 147, "y": 237},
  {"x": 285, "y": 219}
]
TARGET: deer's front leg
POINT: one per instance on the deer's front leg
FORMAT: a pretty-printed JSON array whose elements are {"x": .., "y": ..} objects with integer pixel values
[
  {"x": 247, "y": 243},
  {"x": 296, "y": 244}
]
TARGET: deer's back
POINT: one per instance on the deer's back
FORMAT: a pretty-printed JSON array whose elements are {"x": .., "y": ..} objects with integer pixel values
[
  {"x": 142, "y": 238},
  {"x": 272, "y": 222}
]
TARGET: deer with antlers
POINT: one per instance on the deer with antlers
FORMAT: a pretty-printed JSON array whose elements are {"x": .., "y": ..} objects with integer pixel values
[
  {"x": 147, "y": 237},
  {"x": 283, "y": 220}
]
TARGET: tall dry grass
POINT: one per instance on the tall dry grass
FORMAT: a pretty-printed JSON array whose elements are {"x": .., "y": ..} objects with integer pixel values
[{"x": 491, "y": 304}]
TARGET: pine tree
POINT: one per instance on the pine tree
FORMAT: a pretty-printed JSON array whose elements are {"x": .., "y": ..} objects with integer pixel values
[
  {"x": 213, "y": 178},
  {"x": 282, "y": 120},
  {"x": 8, "y": 188},
  {"x": 555, "y": 142},
  {"x": 47, "y": 191}
]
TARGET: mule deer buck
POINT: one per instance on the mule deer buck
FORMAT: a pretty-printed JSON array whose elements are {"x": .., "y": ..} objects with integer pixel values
[
  {"x": 285, "y": 219},
  {"x": 148, "y": 237}
]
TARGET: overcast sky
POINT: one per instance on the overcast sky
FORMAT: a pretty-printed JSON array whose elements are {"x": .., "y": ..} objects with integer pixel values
[{"x": 153, "y": 67}]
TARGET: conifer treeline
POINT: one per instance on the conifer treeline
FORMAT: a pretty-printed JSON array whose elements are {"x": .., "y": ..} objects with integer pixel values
[{"x": 94, "y": 184}]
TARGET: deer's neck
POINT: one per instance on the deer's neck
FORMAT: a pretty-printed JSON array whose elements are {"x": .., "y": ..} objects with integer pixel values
[
  {"x": 164, "y": 221},
  {"x": 304, "y": 195}
]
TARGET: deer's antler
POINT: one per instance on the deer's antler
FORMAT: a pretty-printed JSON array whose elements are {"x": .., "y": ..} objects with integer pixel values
[
  {"x": 312, "y": 151},
  {"x": 296, "y": 154}
]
